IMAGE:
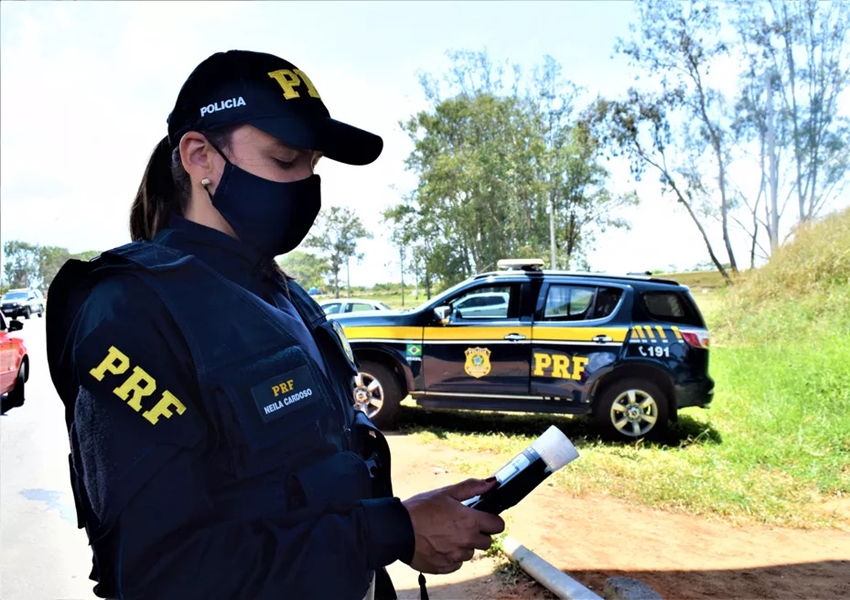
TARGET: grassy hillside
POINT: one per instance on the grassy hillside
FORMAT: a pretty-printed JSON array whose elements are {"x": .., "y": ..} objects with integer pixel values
[{"x": 784, "y": 361}]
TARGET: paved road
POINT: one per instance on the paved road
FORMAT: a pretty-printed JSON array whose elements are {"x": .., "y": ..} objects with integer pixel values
[{"x": 43, "y": 556}]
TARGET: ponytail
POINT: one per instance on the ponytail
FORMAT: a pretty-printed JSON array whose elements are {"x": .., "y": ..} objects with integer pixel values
[
  {"x": 157, "y": 197},
  {"x": 165, "y": 188}
]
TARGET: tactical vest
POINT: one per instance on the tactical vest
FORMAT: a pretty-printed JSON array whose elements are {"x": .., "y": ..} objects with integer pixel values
[{"x": 328, "y": 453}]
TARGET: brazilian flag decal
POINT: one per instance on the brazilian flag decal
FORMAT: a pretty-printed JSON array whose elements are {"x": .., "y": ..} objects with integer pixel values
[{"x": 414, "y": 350}]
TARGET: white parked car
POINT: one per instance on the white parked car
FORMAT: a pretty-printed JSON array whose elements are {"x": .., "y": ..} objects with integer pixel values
[
  {"x": 338, "y": 306},
  {"x": 488, "y": 304}
]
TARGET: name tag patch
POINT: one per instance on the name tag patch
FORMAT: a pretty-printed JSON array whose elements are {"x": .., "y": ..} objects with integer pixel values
[{"x": 284, "y": 394}]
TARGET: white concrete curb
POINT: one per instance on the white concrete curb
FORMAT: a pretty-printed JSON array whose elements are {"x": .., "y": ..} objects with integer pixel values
[{"x": 548, "y": 576}]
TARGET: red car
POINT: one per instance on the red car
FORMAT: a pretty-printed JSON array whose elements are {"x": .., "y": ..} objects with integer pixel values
[{"x": 14, "y": 364}]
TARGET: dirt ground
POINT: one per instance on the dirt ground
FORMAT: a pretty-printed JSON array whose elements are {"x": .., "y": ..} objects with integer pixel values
[{"x": 594, "y": 538}]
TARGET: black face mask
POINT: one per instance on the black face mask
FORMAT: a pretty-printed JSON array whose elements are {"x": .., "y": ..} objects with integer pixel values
[{"x": 270, "y": 216}]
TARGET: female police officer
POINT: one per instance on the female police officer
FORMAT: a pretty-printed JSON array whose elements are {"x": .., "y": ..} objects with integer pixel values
[{"x": 215, "y": 452}]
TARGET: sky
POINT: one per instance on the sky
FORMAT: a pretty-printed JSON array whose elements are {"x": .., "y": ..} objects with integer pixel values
[{"x": 87, "y": 86}]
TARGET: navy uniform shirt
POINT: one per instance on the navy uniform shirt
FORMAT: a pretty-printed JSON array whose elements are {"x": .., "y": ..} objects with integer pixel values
[{"x": 149, "y": 484}]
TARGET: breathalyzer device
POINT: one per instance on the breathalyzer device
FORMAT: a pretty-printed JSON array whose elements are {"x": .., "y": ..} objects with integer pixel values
[{"x": 526, "y": 471}]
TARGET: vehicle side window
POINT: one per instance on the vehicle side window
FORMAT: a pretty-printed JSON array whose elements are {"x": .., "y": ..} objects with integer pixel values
[
  {"x": 490, "y": 302},
  {"x": 607, "y": 300},
  {"x": 360, "y": 306},
  {"x": 568, "y": 303},
  {"x": 670, "y": 306}
]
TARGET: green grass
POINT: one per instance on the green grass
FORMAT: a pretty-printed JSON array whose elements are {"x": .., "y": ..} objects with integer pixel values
[{"x": 775, "y": 446}]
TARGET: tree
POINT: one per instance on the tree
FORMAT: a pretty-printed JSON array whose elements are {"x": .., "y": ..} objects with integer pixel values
[
  {"x": 307, "y": 269},
  {"x": 495, "y": 160},
  {"x": 51, "y": 259},
  {"x": 32, "y": 265},
  {"x": 417, "y": 236},
  {"x": 797, "y": 52},
  {"x": 679, "y": 46},
  {"x": 580, "y": 201},
  {"x": 23, "y": 264},
  {"x": 335, "y": 234},
  {"x": 639, "y": 128}
]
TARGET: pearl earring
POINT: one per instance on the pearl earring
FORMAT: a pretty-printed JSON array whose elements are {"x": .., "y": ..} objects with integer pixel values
[{"x": 205, "y": 181}]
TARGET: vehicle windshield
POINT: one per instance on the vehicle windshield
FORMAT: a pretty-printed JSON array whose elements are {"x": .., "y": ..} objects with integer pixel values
[{"x": 15, "y": 295}]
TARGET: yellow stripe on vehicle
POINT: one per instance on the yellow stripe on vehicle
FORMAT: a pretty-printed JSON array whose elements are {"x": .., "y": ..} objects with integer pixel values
[
  {"x": 382, "y": 332},
  {"x": 676, "y": 331},
  {"x": 544, "y": 333},
  {"x": 661, "y": 333},
  {"x": 482, "y": 334},
  {"x": 637, "y": 332}
]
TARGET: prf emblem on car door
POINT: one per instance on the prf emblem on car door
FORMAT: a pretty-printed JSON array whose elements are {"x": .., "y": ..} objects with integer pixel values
[{"x": 477, "y": 362}]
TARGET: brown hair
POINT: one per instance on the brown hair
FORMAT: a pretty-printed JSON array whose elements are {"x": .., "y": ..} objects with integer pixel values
[{"x": 165, "y": 187}]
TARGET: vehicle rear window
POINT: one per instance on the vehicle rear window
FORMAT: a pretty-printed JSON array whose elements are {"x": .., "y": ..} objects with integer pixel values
[{"x": 671, "y": 306}]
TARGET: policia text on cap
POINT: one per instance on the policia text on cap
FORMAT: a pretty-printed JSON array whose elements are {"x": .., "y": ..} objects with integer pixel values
[{"x": 215, "y": 452}]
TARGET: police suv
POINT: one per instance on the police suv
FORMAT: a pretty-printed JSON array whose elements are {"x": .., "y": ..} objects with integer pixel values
[{"x": 631, "y": 350}]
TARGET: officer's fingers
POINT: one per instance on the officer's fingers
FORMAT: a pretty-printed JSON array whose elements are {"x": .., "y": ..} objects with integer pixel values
[
  {"x": 469, "y": 488},
  {"x": 490, "y": 524},
  {"x": 481, "y": 541}
]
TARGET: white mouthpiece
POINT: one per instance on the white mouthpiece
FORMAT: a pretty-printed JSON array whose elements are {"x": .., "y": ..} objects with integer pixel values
[{"x": 555, "y": 448}]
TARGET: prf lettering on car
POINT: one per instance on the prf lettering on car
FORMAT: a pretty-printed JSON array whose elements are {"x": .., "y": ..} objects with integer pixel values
[
  {"x": 137, "y": 386},
  {"x": 559, "y": 365},
  {"x": 291, "y": 79}
]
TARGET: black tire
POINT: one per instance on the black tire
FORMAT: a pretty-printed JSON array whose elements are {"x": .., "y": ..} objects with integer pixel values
[
  {"x": 27, "y": 312},
  {"x": 16, "y": 396},
  {"x": 642, "y": 412},
  {"x": 40, "y": 312},
  {"x": 390, "y": 390}
]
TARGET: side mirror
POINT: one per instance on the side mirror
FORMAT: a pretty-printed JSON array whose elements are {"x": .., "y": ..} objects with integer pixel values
[
  {"x": 15, "y": 325},
  {"x": 442, "y": 313}
]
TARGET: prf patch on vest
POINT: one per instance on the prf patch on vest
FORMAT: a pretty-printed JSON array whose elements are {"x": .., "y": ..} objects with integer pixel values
[
  {"x": 137, "y": 385},
  {"x": 284, "y": 394}
]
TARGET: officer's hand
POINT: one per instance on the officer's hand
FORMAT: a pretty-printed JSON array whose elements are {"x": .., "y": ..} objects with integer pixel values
[{"x": 447, "y": 532}]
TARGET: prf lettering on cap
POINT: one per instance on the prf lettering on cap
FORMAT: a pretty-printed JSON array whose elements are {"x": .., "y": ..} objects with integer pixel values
[
  {"x": 291, "y": 79},
  {"x": 138, "y": 385}
]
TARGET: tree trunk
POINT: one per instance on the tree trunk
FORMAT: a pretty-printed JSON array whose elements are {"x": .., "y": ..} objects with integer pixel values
[
  {"x": 348, "y": 275},
  {"x": 705, "y": 239},
  {"x": 554, "y": 263},
  {"x": 798, "y": 158},
  {"x": 401, "y": 262},
  {"x": 724, "y": 205},
  {"x": 773, "y": 210}
]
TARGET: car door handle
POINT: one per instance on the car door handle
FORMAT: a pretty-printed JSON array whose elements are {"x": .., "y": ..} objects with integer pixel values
[
  {"x": 601, "y": 339},
  {"x": 514, "y": 337}
]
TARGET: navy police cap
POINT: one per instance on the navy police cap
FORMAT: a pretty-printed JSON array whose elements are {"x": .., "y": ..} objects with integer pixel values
[{"x": 242, "y": 87}]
